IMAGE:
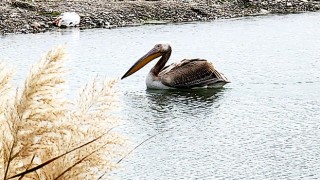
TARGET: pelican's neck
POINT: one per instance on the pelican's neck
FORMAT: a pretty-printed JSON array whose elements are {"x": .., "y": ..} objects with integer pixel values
[{"x": 162, "y": 62}]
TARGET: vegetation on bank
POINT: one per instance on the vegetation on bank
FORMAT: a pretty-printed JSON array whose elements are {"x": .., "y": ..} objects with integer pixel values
[{"x": 44, "y": 135}]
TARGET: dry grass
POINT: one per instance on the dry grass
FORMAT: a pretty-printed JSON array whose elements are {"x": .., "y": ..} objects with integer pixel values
[
  {"x": 40, "y": 123},
  {"x": 5, "y": 84}
]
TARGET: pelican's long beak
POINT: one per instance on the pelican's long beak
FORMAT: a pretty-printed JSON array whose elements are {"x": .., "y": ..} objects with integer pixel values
[{"x": 151, "y": 55}]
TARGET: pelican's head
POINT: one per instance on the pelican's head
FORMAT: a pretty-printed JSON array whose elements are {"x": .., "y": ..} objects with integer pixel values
[
  {"x": 57, "y": 22},
  {"x": 164, "y": 46},
  {"x": 156, "y": 51}
]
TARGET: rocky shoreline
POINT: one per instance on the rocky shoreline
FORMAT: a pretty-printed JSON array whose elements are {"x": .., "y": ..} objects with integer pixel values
[{"x": 18, "y": 16}]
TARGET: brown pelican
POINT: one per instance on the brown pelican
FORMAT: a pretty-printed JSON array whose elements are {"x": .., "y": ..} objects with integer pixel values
[{"x": 189, "y": 73}]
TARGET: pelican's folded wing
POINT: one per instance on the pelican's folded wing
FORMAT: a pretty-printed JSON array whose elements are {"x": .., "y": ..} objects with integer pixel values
[{"x": 190, "y": 74}]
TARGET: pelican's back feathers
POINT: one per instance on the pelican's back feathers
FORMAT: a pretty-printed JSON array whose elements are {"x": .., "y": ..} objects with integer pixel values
[{"x": 191, "y": 74}]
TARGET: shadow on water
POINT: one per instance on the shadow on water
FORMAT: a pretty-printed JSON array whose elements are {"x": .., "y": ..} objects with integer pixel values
[
  {"x": 171, "y": 106},
  {"x": 162, "y": 109},
  {"x": 185, "y": 97}
]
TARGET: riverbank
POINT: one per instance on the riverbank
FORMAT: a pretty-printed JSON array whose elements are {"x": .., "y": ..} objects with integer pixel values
[{"x": 38, "y": 16}]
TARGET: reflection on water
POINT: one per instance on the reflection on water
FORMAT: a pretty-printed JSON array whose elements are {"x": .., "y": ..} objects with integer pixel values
[
  {"x": 164, "y": 101},
  {"x": 166, "y": 108},
  {"x": 173, "y": 105}
]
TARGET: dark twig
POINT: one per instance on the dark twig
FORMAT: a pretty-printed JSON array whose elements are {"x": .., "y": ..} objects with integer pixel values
[
  {"x": 55, "y": 158},
  {"x": 82, "y": 159},
  {"x": 78, "y": 162},
  {"x": 28, "y": 166},
  {"x": 9, "y": 161}
]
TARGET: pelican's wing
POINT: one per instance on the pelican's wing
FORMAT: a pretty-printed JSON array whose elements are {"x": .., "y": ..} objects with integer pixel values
[{"x": 191, "y": 73}]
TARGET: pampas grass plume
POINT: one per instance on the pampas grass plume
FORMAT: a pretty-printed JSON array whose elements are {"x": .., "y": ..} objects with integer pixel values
[{"x": 40, "y": 123}]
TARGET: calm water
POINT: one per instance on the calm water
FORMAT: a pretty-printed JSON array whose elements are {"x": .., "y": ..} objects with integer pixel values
[{"x": 263, "y": 125}]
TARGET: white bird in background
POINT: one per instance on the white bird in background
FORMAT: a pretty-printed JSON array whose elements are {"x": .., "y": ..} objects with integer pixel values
[{"x": 67, "y": 19}]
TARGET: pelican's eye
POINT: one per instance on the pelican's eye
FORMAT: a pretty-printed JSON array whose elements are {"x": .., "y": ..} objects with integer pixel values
[{"x": 158, "y": 46}]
